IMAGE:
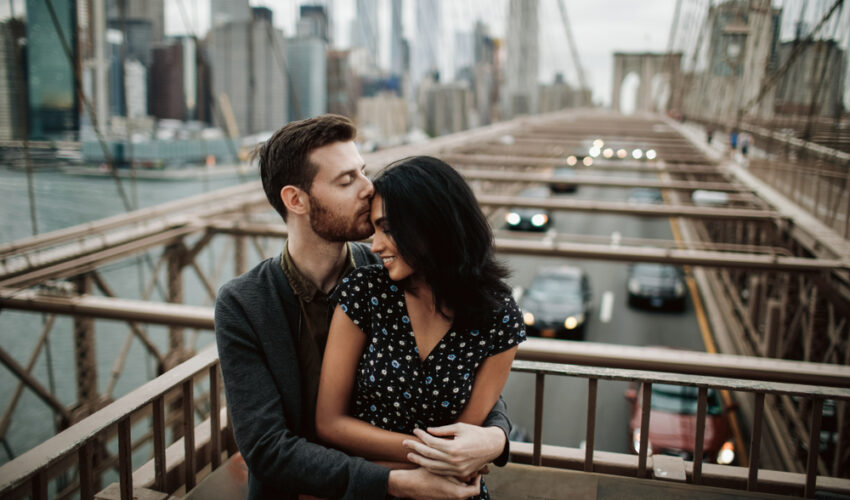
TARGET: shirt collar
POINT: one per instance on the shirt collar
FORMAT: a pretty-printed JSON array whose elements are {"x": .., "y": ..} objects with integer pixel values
[{"x": 303, "y": 288}]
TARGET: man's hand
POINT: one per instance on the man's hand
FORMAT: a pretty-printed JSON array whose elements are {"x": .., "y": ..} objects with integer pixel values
[
  {"x": 462, "y": 452},
  {"x": 423, "y": 485}
]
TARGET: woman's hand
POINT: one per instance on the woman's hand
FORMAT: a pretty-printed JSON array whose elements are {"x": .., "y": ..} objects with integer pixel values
[{"x": 460, "y": 450}]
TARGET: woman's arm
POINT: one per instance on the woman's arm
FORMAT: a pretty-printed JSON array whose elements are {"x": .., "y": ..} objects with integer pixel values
[
  {"x": 440, "y": 450},
  {"x": 334, "y": 426}
]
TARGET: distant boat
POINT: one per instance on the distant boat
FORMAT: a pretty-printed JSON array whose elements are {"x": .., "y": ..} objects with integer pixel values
[{"x": 167, "y": 173}]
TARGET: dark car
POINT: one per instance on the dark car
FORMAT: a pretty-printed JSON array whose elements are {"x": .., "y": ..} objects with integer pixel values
[
  {"x": 529, "y": 219},
  {"x": 656, "y": 285},
  {"x": 564, "y": 180},
  {"x": 557, "y": 303},
  {"x": 645, "y": 195},
  {"x": 673, "y": 423}
]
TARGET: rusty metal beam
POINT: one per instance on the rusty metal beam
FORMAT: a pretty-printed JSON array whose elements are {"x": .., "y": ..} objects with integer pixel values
[
  {"x": 623, "y": 208},
  {"x": 460, "y": 159},
  {"x": 580, "y": 180},
  {"x": 160, "y": 313}
]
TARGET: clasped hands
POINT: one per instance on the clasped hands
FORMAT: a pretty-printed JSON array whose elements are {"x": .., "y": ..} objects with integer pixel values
[{"x": 459, "y": 450}]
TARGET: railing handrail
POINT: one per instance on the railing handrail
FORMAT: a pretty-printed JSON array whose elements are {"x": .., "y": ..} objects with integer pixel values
[{"x": 16, "y": 472}]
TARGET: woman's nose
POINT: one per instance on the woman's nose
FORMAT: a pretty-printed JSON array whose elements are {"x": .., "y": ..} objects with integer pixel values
[{"x": 377, "y": 244}]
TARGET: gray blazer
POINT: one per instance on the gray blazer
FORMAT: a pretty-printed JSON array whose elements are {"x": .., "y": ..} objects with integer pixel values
[{"x": 255, "y": 315}]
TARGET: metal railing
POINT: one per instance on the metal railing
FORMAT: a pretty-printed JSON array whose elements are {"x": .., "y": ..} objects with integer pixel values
[{"x": 31, "y": 473}]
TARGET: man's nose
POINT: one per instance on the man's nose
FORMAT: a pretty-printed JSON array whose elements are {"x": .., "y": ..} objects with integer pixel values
[{"x": 369, "y": 188}]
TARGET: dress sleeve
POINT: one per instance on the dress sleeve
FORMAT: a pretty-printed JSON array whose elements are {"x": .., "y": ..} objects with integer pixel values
[
  {"x": 353, "y": 296},
  {"x": 508, "y": 330}
]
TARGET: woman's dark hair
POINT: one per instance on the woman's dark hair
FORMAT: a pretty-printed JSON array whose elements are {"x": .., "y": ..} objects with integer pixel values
[{"x": 440, "y": 231}]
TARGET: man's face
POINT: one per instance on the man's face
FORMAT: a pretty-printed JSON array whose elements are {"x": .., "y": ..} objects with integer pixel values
[{"x": 340, "y": 194}]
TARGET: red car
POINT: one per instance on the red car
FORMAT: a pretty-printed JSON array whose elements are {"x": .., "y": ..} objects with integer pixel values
[{"x": 672, "y": 423}]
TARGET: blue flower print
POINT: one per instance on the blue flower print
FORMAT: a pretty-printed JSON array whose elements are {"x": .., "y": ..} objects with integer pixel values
[
  {"x": 345, "y": 280},
  {"x": 445, "y": 404},
  {"x": 384, "y": 331},
  {"x": 428, "y": 380},
  {"x": 396, "y": 364},
  {"x": 406, "y": 395},
  {"x": 393, "y": 288},
  {"x": 506, "y": 319},
  {"x": 405, "y": 319},
  {"x": 374, "y": 301},
  {"x": 344, "y": 308},
  {"x": 451, "y": 357},
  {"x": 474, "y": 333},
  {"x": 371, "y": 378},
  {"x": 373, "y": 408}
]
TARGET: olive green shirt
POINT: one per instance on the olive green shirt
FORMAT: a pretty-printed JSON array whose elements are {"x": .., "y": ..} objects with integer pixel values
[{"x": 314, "y": 321}]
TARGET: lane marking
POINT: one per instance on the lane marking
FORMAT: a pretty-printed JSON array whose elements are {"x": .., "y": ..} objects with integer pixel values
[{"x": 607, "y": 307}]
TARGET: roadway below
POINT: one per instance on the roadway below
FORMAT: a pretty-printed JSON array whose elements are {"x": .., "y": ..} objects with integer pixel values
[{"x": 611, "y": 320}]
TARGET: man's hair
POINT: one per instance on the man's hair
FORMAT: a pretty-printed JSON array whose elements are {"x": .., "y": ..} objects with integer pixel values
[
  {"x": 284, "y": 159},
  {"x": 440, "y": 231}
]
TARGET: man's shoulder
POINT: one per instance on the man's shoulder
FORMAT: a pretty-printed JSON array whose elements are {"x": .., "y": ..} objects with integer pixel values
[
  {"x": 254, "y": 282},
  {"x": 363, "y": 255}
]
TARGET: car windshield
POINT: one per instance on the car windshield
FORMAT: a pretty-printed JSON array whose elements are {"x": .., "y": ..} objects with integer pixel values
[
  {"x": 654, "y": 271},
  {"x": 552, "y": 289},
  {"x": 682, "y": 399}
]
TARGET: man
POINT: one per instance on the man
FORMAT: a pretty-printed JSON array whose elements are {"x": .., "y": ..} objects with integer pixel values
[{"x": 272, "y": 324}]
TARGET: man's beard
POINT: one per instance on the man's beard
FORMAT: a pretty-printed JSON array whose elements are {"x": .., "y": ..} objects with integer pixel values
[{"x": 335, "y": 227}]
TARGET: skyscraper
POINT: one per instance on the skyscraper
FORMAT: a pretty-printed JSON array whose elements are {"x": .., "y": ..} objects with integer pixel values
[
  {"x": 53, "y": 107},
  {"x": 313, "y": 22},
  {"x": 152, "y": 11},
  {"x": 520, "y": 96},
  {"x": 396, "y": 44},
  {"x": 248, "y": 65},
  {"x": 307, "y": 59},
  {"x": 364, "y": 29},
  {"x": 426, "y": 47},
  {"x": 227, "y": 11},
  {"x": 12, "y": 81}
]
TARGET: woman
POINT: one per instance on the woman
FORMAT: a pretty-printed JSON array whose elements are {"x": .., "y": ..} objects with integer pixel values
[{"x": 428, "y": 338}]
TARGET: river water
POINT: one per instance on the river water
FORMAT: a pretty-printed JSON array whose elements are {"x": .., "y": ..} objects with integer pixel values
[{"x": 61, "y": 201}]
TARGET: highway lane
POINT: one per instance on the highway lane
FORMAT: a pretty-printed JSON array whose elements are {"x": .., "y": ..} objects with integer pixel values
[{"x": 565, "y": 399}]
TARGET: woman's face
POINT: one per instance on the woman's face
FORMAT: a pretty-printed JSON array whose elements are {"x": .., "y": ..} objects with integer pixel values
[{"x": 383, "y": 243}]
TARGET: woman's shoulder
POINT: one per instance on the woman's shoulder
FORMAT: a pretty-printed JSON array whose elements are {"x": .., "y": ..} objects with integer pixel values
[{"x": 366, "y": 278}]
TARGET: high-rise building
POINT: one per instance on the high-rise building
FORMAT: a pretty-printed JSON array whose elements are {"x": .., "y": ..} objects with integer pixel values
[
  {"x": 426, "y": 47},
  {"x": 364, "y": 29},
  {"x": 53, "y": 107},
  {"x": 12, "y": 81},
  {"x": 138, "y": 35},
  {"x": 152, "y": 11},
  {"x": 464, "y": 51},
  {"x": 341, "y": 84},
  {"x": 307, "y": 61},
  {"x": 167, "y": 82},
  {"x": 229, "y": 11},
  {"x": 248, "y": 65},
  {"x": 447, "y": 108},
  {"x": 520, "y": 95},
  {"x": 313, "y": 22},
  {"x": 396, "y": 40}
]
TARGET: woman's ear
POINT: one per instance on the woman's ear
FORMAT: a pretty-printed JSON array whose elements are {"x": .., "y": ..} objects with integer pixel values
[{"x": 294, "y": 199}]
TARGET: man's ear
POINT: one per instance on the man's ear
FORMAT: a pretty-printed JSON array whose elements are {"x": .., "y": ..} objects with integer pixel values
[{"x": 294, "y": 199}]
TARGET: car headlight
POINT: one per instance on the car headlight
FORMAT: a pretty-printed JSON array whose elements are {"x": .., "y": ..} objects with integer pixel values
[
  {"x": 594, "y": 151},
  {"x": 528, "y": 318},
  {"x": 637, "y": 154},
  {"x": 680, "y": 289},
  {"x": 512, "y": 218},
  {"x": 572, "y": 160},
  {"x": 587, "y": 161},
  {"x": 726, "y": 455},
  {"x": 634, "y": 286},
  {"x": 651, "y": 154},
  {"x": 608, "y": 153},
  {"x": 538, "y": 220},
  {"x": 573, "y": 321},
  {"x": 636, "y": 443}
]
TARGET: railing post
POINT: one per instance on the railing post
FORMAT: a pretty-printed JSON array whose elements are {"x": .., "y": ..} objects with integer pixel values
[
  {"x": 125, "y": 459},
  {"x": 215, "y": 419},
  {"x": 84, "y": 464},
  {"x": 159, "y": 443},
  {"x": 189, "y": 434},
  {"x": 814, "y": 447},
  {"x": 772, "y": 329},
  {"x": 538, "y": 420},
  {"x": 644, "y": 428},
  {"x": 85, "y": 358},
  {"x": 699, "y": 441},
  {"x": 755, "y": 442},
  {"x": 591, "y": 424}
]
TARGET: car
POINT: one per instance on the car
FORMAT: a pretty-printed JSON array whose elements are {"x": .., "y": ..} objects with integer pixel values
[
  {"x": 557, "y": 303},
  {"x": 529, "y": 219},
  {"x": 645, "y": 195},
  {"x": 656, "y": 285},
  {"x": 672, "y": 423},
  {"x": 564, "y": 184}
]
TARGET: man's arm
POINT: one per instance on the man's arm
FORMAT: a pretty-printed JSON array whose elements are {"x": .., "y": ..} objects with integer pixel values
[{"x": 275, "y": 455}]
